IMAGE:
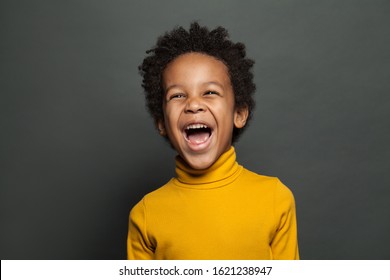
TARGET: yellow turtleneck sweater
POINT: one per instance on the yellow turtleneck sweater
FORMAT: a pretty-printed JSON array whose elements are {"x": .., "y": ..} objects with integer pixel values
[{"x": 223, "y": 212}]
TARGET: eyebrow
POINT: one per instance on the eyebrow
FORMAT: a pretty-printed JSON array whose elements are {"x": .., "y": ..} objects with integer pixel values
[
  {"x": 214, "y": 83},
  {"x": 206, "y": 83}
]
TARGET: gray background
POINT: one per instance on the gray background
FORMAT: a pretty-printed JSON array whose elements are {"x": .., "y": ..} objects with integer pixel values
[{"x": 78, "y": 149}]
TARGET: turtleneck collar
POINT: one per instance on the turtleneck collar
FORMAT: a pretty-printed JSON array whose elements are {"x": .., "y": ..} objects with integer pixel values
[{"x": 224, "y": 171}]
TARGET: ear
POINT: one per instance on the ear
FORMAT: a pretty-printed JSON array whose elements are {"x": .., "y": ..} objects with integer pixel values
[
  {"x": 240, "y": 116},
  {"x": 161, "y": 127}
]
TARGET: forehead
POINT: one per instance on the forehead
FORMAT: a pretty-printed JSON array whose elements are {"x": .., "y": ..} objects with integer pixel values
[{"x": 196, "y": 66}]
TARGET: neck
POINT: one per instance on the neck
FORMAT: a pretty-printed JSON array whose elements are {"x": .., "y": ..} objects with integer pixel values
[{"x": 220, "y": 173}]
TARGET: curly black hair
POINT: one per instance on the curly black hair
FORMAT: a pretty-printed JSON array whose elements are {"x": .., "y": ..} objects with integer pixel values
[{"x": 199, "y": 39}]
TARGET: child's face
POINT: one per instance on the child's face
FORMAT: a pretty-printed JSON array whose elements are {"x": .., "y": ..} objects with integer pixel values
[{"x": 199, "y": 108}]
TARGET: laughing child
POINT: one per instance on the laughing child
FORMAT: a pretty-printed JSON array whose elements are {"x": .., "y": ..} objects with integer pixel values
[{"x": 199, "y": 89}]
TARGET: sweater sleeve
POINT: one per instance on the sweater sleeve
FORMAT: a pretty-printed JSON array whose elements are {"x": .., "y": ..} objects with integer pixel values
[
  {"x": 138, "y": 245},
  {"x": 284, "y": 245}
]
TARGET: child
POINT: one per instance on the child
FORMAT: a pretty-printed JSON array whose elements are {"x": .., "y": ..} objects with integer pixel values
[{"x": 199, "y": 91}]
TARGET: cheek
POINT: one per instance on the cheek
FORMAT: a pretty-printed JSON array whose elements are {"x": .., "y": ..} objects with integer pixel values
[
  {"x": 167, "y": 112},
  {"x": 226, "y": 109},
  {"x": 171, "y": 117}
]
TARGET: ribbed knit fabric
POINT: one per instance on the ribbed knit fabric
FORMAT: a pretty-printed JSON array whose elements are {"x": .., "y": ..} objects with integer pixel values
[{"x": 223, "y": 212}]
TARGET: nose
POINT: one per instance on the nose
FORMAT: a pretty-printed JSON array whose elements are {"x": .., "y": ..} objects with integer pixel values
[{"x": 194, "y": 105}]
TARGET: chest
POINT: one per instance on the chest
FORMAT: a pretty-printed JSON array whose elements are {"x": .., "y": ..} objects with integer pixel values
[{"x": 213, "y": 227}]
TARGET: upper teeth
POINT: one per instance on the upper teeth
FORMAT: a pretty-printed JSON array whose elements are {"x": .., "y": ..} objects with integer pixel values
[{"x": 196, "y": 126}]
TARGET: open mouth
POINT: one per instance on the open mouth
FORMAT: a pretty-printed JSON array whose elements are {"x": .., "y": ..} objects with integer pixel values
[{"x": 197, "y": 133}]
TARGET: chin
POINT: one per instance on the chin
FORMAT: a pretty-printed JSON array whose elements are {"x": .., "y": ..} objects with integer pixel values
[
  {"x": 198, "y": 163},
  {"x": 200, "y": 166}
]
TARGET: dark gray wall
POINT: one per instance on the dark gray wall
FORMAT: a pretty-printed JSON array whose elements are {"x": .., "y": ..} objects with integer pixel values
[{"x": 78, "y": 149}]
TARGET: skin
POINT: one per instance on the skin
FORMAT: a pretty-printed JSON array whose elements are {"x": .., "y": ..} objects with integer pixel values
[{"x": 198, "y": 90}]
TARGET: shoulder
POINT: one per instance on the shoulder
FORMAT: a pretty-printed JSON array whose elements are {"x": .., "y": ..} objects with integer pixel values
[
  {"x": 158, "y": 197},
  {"x": 160, "y": 192},
  {"x": 270, "y": 184},
  {"x": 273, "y": 192}
]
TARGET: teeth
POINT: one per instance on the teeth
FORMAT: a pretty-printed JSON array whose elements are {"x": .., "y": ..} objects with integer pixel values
[{"x": 196, "y": 126}]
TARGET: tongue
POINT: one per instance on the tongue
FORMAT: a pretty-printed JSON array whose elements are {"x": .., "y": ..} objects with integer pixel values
[{"x": 198, "y": 137}]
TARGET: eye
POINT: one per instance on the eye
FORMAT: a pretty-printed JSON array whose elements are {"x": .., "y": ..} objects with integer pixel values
[
  {"x": 176, "y": 96},
  {"x": 211, "y": 92}
]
